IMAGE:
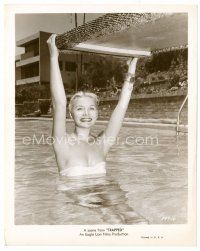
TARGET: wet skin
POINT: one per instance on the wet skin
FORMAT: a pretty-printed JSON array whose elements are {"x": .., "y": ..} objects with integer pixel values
[{"x": 83, "y": 149}]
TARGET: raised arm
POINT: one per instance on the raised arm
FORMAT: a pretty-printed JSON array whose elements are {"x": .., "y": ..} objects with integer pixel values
[
  {"x": 112, "y": 130},
  {"x": 57, "y": 91}
]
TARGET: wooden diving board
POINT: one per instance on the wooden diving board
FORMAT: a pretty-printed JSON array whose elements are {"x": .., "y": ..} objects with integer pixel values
[
  {"x": 128, "y": 34},
  {"x": 110, "y": 50}
]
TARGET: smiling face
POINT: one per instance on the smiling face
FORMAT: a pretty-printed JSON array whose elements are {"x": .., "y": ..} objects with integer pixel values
[{"x": 84, "y": 111}]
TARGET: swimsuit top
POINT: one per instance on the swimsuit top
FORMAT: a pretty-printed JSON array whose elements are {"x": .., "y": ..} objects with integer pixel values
[{"x": 84, "y": 170}]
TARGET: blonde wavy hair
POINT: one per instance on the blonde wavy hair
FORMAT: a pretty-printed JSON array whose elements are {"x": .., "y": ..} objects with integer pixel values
[{"x": 82, "y": 94}]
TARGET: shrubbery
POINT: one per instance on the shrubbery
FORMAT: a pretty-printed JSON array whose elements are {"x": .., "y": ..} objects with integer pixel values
[
  {"x": 31, "y": 92},
  {"x": 44, "y": 105},
  {"x": 100, "y": 73},
  {"x": 106, "y": 76}
]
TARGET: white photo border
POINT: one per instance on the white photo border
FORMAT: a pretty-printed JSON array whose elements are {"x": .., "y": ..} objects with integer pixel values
[{"x": 182, "y": 234}]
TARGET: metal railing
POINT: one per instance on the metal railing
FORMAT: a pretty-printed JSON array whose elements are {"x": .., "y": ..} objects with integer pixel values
[{"x": 178, "y": 116}]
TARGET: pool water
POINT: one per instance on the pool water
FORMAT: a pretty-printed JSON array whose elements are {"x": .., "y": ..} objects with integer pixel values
[{"x": 145, "y": 183}]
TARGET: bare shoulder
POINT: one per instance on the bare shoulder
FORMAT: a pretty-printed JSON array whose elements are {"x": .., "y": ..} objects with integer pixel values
[
  {"x": 107, "y": 141},
  {"x": 62, "y": 151},
  {"x": 61, "y": 144},
  {"x": 103, "y": 142},
  {"x": 100, "y": 138}
]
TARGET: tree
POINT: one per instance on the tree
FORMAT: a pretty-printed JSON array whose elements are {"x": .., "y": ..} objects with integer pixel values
[{"x": 100, "y": 72}]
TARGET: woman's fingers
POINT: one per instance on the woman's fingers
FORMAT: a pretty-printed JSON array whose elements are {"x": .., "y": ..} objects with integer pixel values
[
  {"x": 128, "y": 61},
  {"x": 51, "y": 39},
  {"x": 133, "y": 61},
  {"x": 52, "y": 45},
  {"x": 132, "y": 65}
]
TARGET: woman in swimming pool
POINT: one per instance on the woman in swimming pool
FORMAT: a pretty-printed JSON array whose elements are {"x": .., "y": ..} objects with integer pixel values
[{"x": 80, "y": 153}]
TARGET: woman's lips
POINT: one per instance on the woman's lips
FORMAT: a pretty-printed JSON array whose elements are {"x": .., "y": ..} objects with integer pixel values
[{"x": 86, "y": 120}]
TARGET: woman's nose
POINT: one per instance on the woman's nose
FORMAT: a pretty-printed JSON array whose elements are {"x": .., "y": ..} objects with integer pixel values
[{"x": 85, "y": 111}]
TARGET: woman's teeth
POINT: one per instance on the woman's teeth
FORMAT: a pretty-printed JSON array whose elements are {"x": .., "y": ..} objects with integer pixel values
[{"x": 86, "y": 119}]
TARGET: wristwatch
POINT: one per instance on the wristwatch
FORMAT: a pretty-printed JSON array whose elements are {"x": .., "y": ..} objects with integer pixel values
[{"x": 129, "y": 76}]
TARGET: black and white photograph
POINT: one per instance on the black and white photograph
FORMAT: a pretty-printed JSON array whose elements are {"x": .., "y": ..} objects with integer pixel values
[{"x": 101, "y": 120}]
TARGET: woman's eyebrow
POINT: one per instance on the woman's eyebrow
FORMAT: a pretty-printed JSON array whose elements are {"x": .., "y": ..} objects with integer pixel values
[{"x": 79, "y": 106}]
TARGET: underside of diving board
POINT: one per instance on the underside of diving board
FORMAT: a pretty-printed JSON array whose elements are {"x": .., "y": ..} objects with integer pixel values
[{"x": 110, "y": 50}]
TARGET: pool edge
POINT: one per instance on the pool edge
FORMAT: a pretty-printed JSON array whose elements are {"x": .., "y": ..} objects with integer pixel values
[{"x": 163, "y": 126}]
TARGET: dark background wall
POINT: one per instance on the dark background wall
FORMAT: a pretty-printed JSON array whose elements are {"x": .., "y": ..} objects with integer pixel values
[
  {"x": 145, "y": 108},
  {"x": 156, "y": 108}
]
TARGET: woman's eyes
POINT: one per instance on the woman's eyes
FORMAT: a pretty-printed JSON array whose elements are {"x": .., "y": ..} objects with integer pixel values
[{"x": 79, "y": 108}]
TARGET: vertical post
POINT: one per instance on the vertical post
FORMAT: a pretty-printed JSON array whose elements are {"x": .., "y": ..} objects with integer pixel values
[
  {"x": 178, "y": 115},
  {"x": 83, "y": 18},
  {"x": 76, "y": 24},
  {"x": 81, "y": 63},
  {"x": 76, "y": 87}
]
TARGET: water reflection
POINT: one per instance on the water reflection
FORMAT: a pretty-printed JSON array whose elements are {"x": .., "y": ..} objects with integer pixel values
[
  {"x": 101, "y": 194},
  {"x": 144, "y": 184}
]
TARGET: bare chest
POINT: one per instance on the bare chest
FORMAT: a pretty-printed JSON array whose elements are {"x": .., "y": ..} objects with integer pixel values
[{"x": 87, "y": 154}]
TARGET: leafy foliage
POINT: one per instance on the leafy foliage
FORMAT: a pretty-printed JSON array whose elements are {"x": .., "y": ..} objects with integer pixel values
[
  {"x": 44, "y": 106},
  {"x": 31, "y": 93},
  {"x": 100, "y": 73}
]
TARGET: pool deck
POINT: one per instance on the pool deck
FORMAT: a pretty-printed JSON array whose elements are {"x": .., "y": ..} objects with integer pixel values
[{"x": 144, "y": 123}]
